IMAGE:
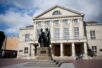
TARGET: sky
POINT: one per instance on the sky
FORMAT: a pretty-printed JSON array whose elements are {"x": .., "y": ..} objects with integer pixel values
[{"x": 15, "y": 14}]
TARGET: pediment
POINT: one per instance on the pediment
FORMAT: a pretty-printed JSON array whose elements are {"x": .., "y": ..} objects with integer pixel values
[{"x": 63, "y": 12}]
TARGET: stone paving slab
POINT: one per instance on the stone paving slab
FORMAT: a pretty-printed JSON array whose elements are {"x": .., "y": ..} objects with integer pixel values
[
  {"x": 19, "y": 63},
  {"x": 22, "y": 65},
  {"x": 67, "y": 65}
]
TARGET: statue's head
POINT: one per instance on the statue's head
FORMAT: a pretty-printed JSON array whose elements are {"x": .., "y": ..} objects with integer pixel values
[{"x": 46, "y": 29}]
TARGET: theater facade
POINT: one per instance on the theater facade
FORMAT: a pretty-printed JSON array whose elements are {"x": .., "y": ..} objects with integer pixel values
[{"x": 71, "y": 36}]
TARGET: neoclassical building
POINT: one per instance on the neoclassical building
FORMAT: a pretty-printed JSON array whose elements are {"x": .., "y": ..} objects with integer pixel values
[{"x": 70, "y": 35}]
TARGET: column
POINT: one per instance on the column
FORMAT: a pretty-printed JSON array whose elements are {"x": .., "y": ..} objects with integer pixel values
[
  {"x": 51, "y": 30},
  {"x": 61, "y": 49},
  {"x": 71, "y": 29},
  {"x": 85, "y": 49},
  {"x": 61, "y": 29},
  {"x": 30, "y": 50},
  {"x": 73, "y": 50},
  {"x": 35, "y": 30}
]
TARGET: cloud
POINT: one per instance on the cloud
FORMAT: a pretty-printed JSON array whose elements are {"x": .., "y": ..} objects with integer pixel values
[
  {"x": 15, "y": 20},
  {"x": 24, "y": 10},
  {"x": 92, "y": 8}
]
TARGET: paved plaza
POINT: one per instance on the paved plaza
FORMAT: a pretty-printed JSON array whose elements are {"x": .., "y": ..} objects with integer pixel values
[{"x": 22, "y": 63}]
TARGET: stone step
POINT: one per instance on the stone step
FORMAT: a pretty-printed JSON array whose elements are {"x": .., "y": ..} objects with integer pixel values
[
  {"x": 42, "y": 64},
  {"x": 43, "y": 58}
]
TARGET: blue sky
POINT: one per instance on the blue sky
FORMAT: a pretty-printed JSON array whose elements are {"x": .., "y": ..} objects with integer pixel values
[{"x": 15, "y": 14}]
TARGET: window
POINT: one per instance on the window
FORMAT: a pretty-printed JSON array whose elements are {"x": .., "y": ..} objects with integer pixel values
[
  {"x": 26, "y": 37},
  {"x": 65, "y": 21},
  {"x": 56, "y": 12},
  {"x": 20, "y": 50},
  {"x": 38, "y": 23},
  {"x": 94, "y": 48},
  {"x": 56, "y": 33},
  {"x": 75, "y": 21},
  {"x": 92, "y": 35},
  {"x": 76, "y": 32},
  {"x": 56, "y": 22},
  {"x": 100, "y": 50},
  {"x": 66, "y": 33},
  {"x": 47, "y": 24},
  {"x": 25, "y": 49}
]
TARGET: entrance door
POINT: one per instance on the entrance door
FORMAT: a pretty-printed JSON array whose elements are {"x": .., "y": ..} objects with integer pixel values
[
  {"x": 67, "y": 50},
  {"x": 79, "y": 48},
  {"x": 56, "y": 49}
]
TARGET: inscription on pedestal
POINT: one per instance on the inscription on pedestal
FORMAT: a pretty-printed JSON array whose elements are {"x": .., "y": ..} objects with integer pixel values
[{"x": 42, "y": 52}]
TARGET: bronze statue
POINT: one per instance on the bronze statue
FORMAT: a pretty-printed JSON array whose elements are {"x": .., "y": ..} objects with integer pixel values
[
  {"x": 44, "y": 38},
  {"x": 47, "y": 37}
]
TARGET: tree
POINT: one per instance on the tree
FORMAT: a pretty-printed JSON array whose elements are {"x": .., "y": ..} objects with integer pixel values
[{"x": 2, "y": 39}]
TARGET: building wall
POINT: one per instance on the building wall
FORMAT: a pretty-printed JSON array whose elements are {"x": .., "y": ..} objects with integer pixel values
[
  {"x": 83, "y": 38},
  {"x": 12, "y": 43},
  {"x": 98, "y": 41},
  {"x": 23, "y": 43}
]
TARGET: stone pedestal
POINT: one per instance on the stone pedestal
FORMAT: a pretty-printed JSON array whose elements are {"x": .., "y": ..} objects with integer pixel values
[{"x": 43, "y": 53}]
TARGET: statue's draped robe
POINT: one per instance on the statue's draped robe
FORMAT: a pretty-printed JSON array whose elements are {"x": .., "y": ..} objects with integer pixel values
[
  {"x": 42, "y": 39},
  {"x": 48, "y": 38}
]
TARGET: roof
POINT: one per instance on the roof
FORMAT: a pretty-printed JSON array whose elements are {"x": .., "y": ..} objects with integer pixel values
[
  {"x": 92, "y": 23},
  {"x": 27, "y": 27},
  {"x": 74, "y": 11}
]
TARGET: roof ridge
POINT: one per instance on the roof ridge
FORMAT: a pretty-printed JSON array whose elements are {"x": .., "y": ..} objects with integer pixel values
[{"x": 74, "y": 11}]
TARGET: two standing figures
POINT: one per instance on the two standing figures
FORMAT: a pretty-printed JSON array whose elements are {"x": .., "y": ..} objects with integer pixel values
[{"x": 44, "y": 38}]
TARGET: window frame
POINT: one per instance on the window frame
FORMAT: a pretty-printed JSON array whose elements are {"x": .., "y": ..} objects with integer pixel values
[
  {"x": 27, "y": 37},
  {"x": 57, "y": 12},
  {"x": 76, "y": 32},
  {"x": 66, "y": 33},
  {"x": 65, "y": 21},
  {"x": 26, "y": 49},
  {"x": 56, "y": 33},
  {"x": 92, "y": 35},
  {"x": 56, "y": 22}
]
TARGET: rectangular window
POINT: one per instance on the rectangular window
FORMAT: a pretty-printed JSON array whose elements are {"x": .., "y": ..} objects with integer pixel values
[
  {"x": 20, "y": 50},
  {"x": 25, "y": 49},
  {"x": 94, "y": 48},
  {"x": 27, "y": 37},
  {"x": 75, "y": 21},
  {"x": 76, "y": 32},
  {"x": 92, "y": 35},
  {"x": 56, "y": 22},
  {"x": 47, "y": 24},
  {"x": 56, "y": 33},
  {"x": 66, "y": 33},
  {"x": 100, "y": 50},
  {"x": 65, "y": 21},
  {"x": 38, "y": 23}
]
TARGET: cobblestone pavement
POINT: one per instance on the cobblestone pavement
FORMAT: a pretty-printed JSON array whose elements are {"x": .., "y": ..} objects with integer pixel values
[
  {"x": 88, "y": 64},
  {"x": 18, "y": 63}
]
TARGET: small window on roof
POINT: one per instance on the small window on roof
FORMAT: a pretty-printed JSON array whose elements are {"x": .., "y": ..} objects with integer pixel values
[{"x": 56, "y": 12}]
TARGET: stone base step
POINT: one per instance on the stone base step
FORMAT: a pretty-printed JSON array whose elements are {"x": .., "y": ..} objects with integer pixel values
[
  {"x": 42, "y": 64},
  {"x": 43, "y": 58}
]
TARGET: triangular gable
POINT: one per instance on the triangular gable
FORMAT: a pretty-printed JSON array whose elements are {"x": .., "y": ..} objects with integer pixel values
[{"x": 64, "y": 12}]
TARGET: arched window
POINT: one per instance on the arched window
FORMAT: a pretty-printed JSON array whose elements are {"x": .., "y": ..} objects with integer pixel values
[{"x": 56, "y": 12}]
